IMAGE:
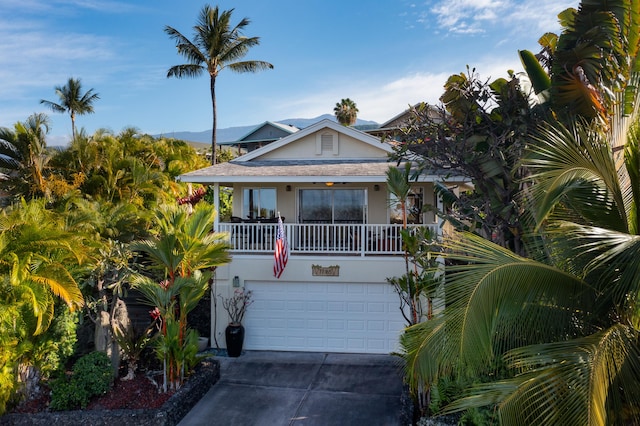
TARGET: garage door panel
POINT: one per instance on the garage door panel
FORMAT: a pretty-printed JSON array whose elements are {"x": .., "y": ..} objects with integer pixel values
[{"x": 337, "y": 317}]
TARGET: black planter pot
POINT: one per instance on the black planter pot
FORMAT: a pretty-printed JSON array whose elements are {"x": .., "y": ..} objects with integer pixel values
[{"x": 234, "y": 336}]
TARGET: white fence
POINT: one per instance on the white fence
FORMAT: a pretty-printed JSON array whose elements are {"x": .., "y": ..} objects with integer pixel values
[{"x": 353, "y": 239}]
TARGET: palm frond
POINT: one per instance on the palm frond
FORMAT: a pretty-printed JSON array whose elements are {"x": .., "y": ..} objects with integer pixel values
[
  {"x": 495, "y": 301},
  {"x": 584, "y": 375},
  {"x": 575, "y": 166},
  {"x": 608, "y": 259}
]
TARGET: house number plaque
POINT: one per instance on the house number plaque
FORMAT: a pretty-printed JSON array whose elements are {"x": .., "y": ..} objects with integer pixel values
[{"x": 325, "y": 271}]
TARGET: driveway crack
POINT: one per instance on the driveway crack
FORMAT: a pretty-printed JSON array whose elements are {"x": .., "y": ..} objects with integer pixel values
[{"x": 303, "y": 400}]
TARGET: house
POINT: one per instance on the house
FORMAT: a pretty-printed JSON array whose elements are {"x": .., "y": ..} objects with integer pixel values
[
  {"x": 328, "y": 183},
  {"x": 262, "y": 135},
  {"x": 391, "y": 129}
]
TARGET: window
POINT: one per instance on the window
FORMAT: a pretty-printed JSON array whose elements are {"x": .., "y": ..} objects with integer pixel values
[
  {"x": 332, "y": 205},
  {"x": 259, "y": 203},
  {"x": 413, "y": 205}
]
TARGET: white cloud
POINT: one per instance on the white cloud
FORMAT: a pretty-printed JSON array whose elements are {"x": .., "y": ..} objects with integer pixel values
[
  {"x": 43, "y": 58},
  {"x": 387, "y": 100},
  {"x": 474, "y": 16}
]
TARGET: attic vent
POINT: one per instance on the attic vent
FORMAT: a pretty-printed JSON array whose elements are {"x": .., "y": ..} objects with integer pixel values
[{"x": 326, "y": 144}]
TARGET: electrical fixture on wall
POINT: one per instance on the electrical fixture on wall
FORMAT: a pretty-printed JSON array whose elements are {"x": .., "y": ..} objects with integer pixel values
[
  {"x": 288, "y": 188},
  {"x": 236, "y": 281},
  {"x": 329, "y": 183},
  {"x": 376, "y": 187}
]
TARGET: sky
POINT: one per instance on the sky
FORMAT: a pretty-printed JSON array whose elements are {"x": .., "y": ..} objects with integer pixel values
[{"x": 383, "y": 54}]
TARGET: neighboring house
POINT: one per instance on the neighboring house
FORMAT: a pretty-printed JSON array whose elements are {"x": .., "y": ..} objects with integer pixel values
[
  {"x": 328, "y": 182},
  {"x": 391, "y": 129},
  {"x": 262, "y": 135}
]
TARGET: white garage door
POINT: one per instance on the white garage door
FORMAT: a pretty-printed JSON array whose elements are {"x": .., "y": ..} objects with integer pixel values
[{"x": 332, "y": 317}]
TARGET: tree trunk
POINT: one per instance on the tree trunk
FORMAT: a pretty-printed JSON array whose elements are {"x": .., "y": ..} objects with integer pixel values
[
  {"x": 28, "y": 381},
  {"x": 104, "y": 340},
  {"x": 214, "y": 130}
]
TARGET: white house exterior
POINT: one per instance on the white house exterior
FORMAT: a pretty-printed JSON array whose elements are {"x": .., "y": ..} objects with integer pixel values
[{"x": 328, "y": 182}]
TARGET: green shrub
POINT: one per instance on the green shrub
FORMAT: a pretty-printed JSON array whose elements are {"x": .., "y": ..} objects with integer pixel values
[
  {"x": 91, "y": 375},
  {"x": 66, "y": 395},
  {"x": 94, "y": 373},
  {"x": 52, "y": 348}
]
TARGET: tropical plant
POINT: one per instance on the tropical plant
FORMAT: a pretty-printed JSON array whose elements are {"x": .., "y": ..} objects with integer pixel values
[
  {"x": 132, "y": 344},
  {"x": 129, "y": 168},
  {"x": 182, "y": 254},
  {"x": 215, "y": 46},
  {"x": 37, "y": 258},
  {"x": 72, "y": 101},
  {"x": 479, "y": 132},
  {"x": 10, "y": 157},
  {"x": 30, "y": 156},
  {"x": 346, "y": 112},
  {"x": 399, "y": 185},
  {"x": 564, "y": 322},
  {"x": 580, "y": 72}
]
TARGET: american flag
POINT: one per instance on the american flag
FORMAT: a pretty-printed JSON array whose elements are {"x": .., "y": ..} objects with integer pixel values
[{"x": 281, "y": 254}]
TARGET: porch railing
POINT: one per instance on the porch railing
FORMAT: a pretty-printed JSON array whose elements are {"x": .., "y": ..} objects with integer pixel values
[{"x": 348, "y": 239}]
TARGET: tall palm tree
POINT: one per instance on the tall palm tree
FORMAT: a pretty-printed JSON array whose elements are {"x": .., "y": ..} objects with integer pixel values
[
  {"x": 215, "y": 46},
  {"x": 346, "y": 112},
  {"x": 73, "y": 101}
]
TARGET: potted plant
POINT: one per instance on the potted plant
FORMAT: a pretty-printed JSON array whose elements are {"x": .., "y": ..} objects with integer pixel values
[{"x": 236, "y": 306}]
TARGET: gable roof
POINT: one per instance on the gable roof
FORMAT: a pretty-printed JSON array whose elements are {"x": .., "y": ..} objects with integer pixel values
[
  {"x": 286, "y": 128},
  {"x": 283, "y": 130},
  {"x": 257, "y": 166},
  {"x": 325, "y": 123}
]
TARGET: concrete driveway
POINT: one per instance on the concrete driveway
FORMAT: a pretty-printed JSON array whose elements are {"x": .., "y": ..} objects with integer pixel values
[{"x": 301, "y": 388}]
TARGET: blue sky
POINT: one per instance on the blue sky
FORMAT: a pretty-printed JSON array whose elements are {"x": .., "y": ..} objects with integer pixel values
[{"x": 383, "y": 54}]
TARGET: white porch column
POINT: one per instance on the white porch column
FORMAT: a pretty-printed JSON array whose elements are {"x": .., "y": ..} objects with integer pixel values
[{"x": 216, "y": 205}]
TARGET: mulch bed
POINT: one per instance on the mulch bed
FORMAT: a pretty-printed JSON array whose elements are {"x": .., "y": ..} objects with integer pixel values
[
  {"x": 140, "y": 392},
  {"x": 129, "y": 403}
]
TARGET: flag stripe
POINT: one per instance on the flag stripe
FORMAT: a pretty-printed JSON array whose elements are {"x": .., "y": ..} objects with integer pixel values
[{"x": 281, "y": 254}]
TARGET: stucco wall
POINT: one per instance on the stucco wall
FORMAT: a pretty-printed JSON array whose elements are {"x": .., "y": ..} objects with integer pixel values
[{"x": 305, "y": 148}]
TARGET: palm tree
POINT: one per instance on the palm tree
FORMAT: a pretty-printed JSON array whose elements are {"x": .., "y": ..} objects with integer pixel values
[
  {"x": 346, "y": 112},
  {"x": 73, "y": 101},
  {"x": 185, "y": 252},
  {"x": 10, "y": 157},
  {"x": 215, "y": 46},
  {"x": 35, "y": 248},
  {"x": 28, "y": 143},
  {"x": 38, "y": 256},
  {"x": 591, "y": 60}
]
